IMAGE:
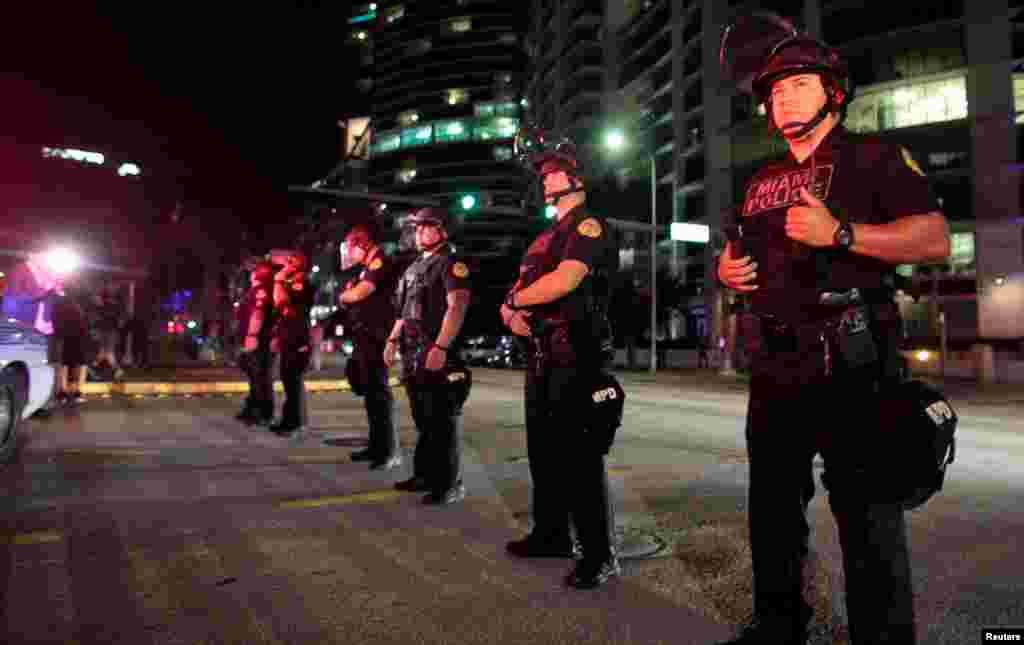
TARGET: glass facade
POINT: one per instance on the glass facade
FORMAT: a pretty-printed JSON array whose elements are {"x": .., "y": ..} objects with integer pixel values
[
  {"x": 447, "y": 131},
  {"x": 909, "y": 104}
]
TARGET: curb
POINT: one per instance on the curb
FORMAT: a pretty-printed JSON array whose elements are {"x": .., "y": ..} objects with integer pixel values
[{"x": 215, "y": 387}]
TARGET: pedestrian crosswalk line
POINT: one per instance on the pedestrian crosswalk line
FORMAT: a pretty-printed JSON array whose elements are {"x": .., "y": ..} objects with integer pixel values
[
  {"x": 358, "y": 498},
  {"x": 37, "y": 537}
]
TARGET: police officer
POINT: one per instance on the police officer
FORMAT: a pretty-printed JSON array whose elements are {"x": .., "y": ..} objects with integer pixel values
[
  {"x": 560, "y": 303},
  {"x": 293, "y": 298},
  {"x": 431, "y": 300},
  {"x": 369, "y": 315},
  {"x": 820, "y": 231},
  {"x": 256, "y": 359}
]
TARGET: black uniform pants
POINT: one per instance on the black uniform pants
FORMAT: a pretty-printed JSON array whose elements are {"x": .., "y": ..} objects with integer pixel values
[
  {"x": 381, "y": 407},
  {"x": 570, "y": 480},
  {"x": 786, "y": 427},
  {"x": 258, "y": 367},
  {"x": 294, "y": 363},
  {"x": 437, "y": 413}
]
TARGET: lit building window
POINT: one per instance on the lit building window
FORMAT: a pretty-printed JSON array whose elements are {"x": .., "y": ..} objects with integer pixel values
[
  {"x": 502, "y": 153},
  {"x": 459, "y": 25},
  {"x": 421, "y": 46},
  {"x": 456, "y": 96},
  {"x": 385, "y": 142},
  {"x": 499, "y": 128},
  {"x": 361, "y": 37},
  {"x": 451, "y": 132},
  {"x": 418, "y": 136},
  {"x": 394, "y": 13},
  {"x": 503, "y": 78},
  {"x": 961, "y": 248},
  {"x": 509, "y": 108},
  {"x": 409, "y": 118},
  {"x": 908, "y": 104},
  {"x": 407, "y": 172},
  {"x": 508, "y": 39}
]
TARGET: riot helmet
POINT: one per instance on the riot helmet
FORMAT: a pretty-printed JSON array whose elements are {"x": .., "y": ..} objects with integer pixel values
[
  {"x": 435, "y": 216},
  {"x": 918, "y": 423},
  {"x": 761, "y": 48},
  {"x": 541, "y": 153},
  {"x": 363, "y": 236},
  {"x": 262, "y": 274}
]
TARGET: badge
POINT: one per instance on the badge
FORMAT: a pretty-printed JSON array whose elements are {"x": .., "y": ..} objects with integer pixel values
[
  {"x": 460, "y": 270},
  {"x": 907, "y": 159},
  {"x": 376, "y": 264},
  {"x": 590, "y": 227}
]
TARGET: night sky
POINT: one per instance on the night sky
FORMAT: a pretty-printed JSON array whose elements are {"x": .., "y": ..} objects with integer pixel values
[{"x": 229, "y": 106}]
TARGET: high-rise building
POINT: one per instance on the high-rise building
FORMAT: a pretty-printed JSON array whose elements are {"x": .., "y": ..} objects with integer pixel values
[{"x": 442, "y": 85}]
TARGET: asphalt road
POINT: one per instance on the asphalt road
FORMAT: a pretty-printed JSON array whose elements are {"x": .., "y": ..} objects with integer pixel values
[{"x": 165, "y": 521}]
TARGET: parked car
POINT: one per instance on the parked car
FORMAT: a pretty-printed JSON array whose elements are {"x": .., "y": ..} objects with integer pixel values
[
  {"x": 493, "y": 351},
  {"x": 26, "y": 380}
]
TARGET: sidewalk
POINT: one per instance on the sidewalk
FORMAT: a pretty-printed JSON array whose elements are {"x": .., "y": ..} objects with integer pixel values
[{"x": 195, "y": 377}]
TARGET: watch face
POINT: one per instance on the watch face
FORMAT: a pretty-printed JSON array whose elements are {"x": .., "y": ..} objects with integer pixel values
[{"x": 843, "y": 236}]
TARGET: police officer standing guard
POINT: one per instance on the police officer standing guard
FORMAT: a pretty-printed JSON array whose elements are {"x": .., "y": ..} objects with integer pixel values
[
  {"x": 821, "y": 231},
  {"x": 293, "y": 298},
  {"x": 431, "y": 299},
  {"x": 256, "y": 359},
  {"x": 369, "y": 315},
  {"x": 560, "y": 302}
]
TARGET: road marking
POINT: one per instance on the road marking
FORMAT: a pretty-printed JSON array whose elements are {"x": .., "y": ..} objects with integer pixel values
[
  {"x": 117, "y": 452},
  {"x": 38, "y": 537},
  {"x": 359, "y": 498}
]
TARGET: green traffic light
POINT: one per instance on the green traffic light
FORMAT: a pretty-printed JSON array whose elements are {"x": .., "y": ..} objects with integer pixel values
[
  {"x": 468, "y": 202},
  {"x": 550, "y": 211}
]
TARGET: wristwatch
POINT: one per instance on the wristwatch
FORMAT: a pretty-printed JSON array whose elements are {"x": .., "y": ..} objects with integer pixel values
[{"x": 843, "y": 237}]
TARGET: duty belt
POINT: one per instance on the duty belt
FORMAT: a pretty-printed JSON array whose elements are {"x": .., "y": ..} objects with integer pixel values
[
  {"x": 840, "y": 307},
  {"x": 541, "y": 331}
]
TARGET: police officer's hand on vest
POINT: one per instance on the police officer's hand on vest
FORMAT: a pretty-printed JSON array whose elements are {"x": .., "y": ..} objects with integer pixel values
[
  {"x": 515, "y": 319},
  {"x": 737, "y": 273},
  {"x": 436, "y": 358},
  {"x": 389, "y": 353},
  {"x": 811, "y": 224},
  {"x": 251, "y": 343}
]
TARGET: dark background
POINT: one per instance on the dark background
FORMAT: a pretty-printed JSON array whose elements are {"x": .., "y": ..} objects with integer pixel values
[{"x": 221, "y": 107}]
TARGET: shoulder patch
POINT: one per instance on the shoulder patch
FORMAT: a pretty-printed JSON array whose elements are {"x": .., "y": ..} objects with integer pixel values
[
  {"x": 376, "y": 264},
  {"x": 909, "y": 160},
  {"x": 590, "y": 227},
  {"x": 460, "y": 270}
]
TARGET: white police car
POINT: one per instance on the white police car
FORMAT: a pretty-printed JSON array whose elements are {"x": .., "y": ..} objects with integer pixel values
[{"x": 26, "y": 380}]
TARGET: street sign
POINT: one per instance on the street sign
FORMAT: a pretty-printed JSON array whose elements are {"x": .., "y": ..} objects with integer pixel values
[{"x": 686, "y": 232}]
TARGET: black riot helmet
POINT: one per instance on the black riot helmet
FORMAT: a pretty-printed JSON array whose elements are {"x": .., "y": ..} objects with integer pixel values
[
  {"x": 541, "y": 152},
  {"x": 432, "y": 215},
  {"x": 761, "y": 48},
  {"x": 918, "y": 425}
]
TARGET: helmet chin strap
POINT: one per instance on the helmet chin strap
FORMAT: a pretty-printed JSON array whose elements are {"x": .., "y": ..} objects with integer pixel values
[
  {"x": 807, "y": 128},
  {"x": 574, "y": 187},
  {"x": 441, "y": 239}
]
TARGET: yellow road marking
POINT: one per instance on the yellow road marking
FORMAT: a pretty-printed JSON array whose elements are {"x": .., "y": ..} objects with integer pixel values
[
  {"x": 318, "y": 459},
  {"x": 359, "y": 498},
  {"x": 38, "y": 537},
  {"x": 92, "y": 452}
]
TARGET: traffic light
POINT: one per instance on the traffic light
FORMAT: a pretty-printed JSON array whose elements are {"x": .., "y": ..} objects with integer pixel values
[
  {"x": 550, "y": 211},
  {"x": 469, "y": 202}
]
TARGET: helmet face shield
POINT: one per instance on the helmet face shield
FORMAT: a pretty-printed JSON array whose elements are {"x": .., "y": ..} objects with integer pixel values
[{"x": 747, "y": 45}]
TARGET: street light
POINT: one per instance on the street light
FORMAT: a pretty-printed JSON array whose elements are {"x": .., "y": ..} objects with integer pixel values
[
  {"x": 62, "y": 261},
  {"x": 615, "y": 140}
]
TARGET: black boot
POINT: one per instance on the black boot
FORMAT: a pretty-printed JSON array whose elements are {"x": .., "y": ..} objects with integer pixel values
[
  {"x": 592, "y": 574},
  {"x": 534, "y": 546},
  {"x": 772, "y": 632}
]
